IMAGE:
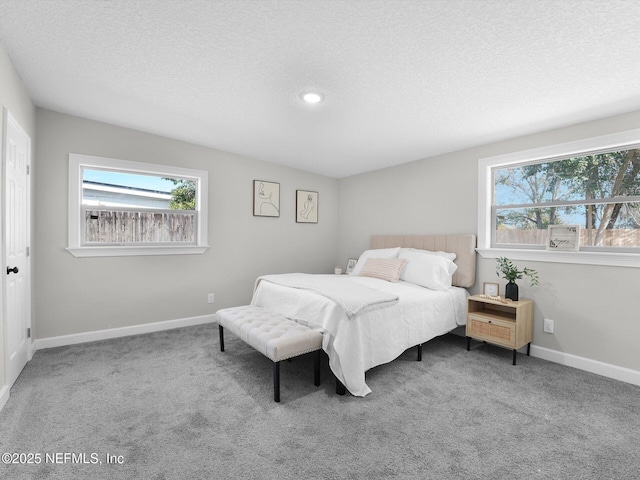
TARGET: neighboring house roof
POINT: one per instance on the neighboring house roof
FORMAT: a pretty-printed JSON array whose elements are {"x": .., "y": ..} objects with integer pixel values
[{"x": 104, "y": 194}]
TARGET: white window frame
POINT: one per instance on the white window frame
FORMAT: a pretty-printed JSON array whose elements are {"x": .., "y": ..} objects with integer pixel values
[
  {"x": 78, "y": 162},
  {"x": 485, "y": 188}
]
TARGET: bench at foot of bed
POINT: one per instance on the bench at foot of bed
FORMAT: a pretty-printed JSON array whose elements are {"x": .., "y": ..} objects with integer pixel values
[{"x": 273, "y": 335}]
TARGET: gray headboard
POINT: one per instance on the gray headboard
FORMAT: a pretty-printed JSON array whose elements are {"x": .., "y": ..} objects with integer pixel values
[{"x": 464, "y": 246}]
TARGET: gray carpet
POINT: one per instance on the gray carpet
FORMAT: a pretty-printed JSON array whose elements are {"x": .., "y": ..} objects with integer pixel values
[{"x": 174, "y": 407}]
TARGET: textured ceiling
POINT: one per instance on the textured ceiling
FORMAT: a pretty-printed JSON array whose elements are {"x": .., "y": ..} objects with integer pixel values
[{"x": 402, "y": 80}]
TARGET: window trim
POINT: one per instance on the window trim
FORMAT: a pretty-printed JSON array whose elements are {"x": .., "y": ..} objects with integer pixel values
[
  {"x": 605, "y": 142},
  {"x": 75, "y": 245}
]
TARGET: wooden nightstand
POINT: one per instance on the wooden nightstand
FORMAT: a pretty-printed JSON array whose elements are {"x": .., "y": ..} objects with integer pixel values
[{"x": 508, "y": 325}]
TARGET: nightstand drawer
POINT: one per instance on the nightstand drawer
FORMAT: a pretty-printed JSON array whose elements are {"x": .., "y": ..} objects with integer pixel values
[{"x": 492, "y": 330}]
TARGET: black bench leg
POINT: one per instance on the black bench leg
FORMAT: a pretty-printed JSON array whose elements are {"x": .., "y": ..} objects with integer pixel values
[
  {"x": 340, "y": 388},
  {"x": 221, "y": 330},
  {"x": 419, "y": 352},
  {"x": 316, "y": 368},
  {"x": 276, "y": 381}
]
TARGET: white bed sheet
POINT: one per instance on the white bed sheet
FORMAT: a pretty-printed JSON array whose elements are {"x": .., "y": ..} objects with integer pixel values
[{"x": 373, "y": 337}]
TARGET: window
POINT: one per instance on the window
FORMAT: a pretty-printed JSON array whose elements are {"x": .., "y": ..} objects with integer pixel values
[
  {"x": 118, "y": 207},
  {"x": 592, "y": 183}
]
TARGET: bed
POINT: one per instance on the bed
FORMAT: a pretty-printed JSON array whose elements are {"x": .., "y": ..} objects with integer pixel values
[{"x": 357, "y": 335}]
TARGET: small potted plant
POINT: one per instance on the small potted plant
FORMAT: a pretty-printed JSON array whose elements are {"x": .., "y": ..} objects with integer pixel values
[{"x": 510, "y": 272}]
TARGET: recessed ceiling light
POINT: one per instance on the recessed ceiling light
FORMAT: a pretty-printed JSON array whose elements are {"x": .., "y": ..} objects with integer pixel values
[{"x": 312, "y": 97}]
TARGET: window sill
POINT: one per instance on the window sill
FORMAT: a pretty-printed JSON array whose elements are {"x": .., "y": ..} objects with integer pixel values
[
  {"x": 116, "y": 251},
  {"x": 584, "y": 258}
]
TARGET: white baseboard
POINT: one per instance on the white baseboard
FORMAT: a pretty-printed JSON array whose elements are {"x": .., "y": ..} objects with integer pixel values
[
  {"x": 593, "y": 366},
  {"x": 581, "y": 363},
  {"x": 62, "y": 340}
]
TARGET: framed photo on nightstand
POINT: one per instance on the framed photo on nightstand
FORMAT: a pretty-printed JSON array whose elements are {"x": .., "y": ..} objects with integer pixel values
[
  {"x": 489, "y": 288},
  {"x": 351, "y": 264}
]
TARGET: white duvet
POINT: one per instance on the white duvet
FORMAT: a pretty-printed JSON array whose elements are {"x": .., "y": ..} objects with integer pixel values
[{"x": 373, "y": 337}]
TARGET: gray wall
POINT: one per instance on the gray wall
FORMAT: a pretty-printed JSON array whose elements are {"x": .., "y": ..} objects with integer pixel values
[
  {"x": 596, "y": 308},
  {"x": 13, "y": 96},
  {"x": 74, "y": 295}
]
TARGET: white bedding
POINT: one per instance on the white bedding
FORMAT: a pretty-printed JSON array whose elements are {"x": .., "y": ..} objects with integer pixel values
[
  {"x": 373, "y": 337},
  {"x": 353, "y": 297}
]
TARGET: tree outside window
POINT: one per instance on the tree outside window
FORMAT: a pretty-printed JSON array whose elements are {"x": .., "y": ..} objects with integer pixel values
[{"x": 599, "y": 191}]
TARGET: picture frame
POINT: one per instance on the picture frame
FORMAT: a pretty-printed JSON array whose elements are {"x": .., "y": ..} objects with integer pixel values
[
  {"x": 565, "y": 238},
  {"x": 491, "y": 288},
  {"x": 306, "y": 206},
  {"x": 266, "y": 199},
  {"x": 351, "y": 264}
]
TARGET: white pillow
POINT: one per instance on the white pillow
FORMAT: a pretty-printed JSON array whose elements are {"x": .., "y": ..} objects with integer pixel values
[
  {"x": 427, "y": 270},
  {"x": 375, "y": 253},
  {"x": 383, "y": 268},
  {"x": 449, "y": 255}
]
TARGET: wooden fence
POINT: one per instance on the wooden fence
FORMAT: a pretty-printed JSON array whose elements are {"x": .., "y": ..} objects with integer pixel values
[
  {"x": 610, "y": 238},
  {"x": 108, "y": 227}
]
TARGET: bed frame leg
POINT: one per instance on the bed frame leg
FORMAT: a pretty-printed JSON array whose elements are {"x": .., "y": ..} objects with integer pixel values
[
  {"x": 340, "y": 388},
  {"x": 419, "y": 352},
  {"x": 316, "y": 368},
  {"x": 276, "y": 381},
  {"x": 221, "y": 331}
]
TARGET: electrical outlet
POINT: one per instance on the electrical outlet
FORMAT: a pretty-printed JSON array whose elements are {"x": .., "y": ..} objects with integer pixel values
[
  {"x": 548, "y": 325},
  {"x": 210, "y": 298}
]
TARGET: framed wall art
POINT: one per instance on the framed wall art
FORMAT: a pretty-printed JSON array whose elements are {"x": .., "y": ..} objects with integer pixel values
[
  {"x": 563, "y": 238},
  {"x": 266, "y": 199},
  {"x": 306, "y": 206}
]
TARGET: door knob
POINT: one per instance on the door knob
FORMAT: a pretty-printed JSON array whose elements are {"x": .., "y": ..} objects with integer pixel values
[{"x": 14, "y": 270}]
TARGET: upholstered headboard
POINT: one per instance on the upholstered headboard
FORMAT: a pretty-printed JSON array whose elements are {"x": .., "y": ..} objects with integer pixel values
[{"x": 464, "y": 246}]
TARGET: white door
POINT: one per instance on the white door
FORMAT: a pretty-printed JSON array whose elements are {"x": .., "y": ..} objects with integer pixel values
[{"x": 16, "y": 266}]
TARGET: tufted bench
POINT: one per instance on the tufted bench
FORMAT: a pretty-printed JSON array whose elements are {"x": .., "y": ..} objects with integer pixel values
[{"x": 273, "y": 335}]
